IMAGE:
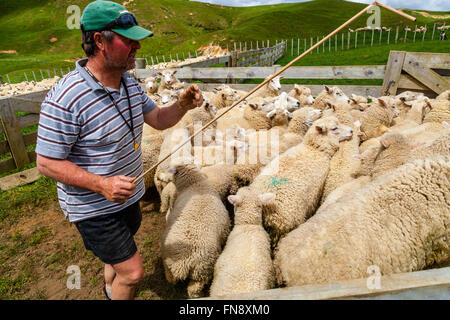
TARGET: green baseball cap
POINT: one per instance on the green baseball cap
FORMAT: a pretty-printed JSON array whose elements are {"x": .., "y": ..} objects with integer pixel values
[{"x": 108, "y": 15}]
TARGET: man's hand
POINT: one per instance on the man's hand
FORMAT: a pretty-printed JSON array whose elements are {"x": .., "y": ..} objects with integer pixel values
[
  {"x": 118, "y": 188},
  {"x": 190, "y": 98}
]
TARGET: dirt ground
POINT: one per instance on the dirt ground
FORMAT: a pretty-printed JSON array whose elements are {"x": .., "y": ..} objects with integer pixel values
[{"x": 44, "y": 265}]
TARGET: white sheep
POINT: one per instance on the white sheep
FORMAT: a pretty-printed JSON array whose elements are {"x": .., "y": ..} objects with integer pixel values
[
  {"x": 297, "y": 176},
  {"x": 245, "y": 264},
  {"x": 333, "y": 94},
  {"x": 302, "y": 94},
  {"x": 397, "y": 223},
  {"x": 196, "y": 230},
  {"x": 151, "y": 85},
  {"x": 270, "y": 89},
  {"x": 169, "y": 81}
]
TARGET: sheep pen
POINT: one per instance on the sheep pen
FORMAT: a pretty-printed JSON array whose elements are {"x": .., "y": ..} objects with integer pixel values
[{"x": 241, "y": 151}]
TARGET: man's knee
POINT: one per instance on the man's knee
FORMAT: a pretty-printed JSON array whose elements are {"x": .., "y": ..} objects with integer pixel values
[{"x": 132, "y": 277}]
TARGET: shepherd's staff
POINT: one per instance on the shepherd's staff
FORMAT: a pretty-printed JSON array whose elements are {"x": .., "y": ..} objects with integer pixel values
[{"x": 359, "y": 14}]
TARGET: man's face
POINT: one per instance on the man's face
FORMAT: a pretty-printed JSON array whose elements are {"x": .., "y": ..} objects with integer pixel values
[{"x": 120, "y": 53}]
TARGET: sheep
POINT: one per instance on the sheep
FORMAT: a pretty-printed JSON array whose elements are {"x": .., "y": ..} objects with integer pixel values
[
  {"x": 150, "y": 147},
  {"x": 168, "y": 81},
  {"x": 270, "y": 89},
  {"x": 300, "y": 171},
  {"x": 151, "y": 85},
  {"x": 440, "y": 146},
  {"x": 414, "y": 116},
  {"x": 358, "y": 102},
  {"x": 333, "y": 94},
  {"x": 245, "y": 265},
  {"x": 196, "y": 230},
  {"x": 302, "y": 120},
  {"x": 444, "y": 96},
  {"x": 399, "y": 223},
  {"x": 225, "y": 97},
  {"x": 403, "y": 103},
  {"x": 376, "y": 119},
  {"x": 172, "y": 139},
  {"x": 302, "y": 94},
  {"x": 343, "y": 164}
]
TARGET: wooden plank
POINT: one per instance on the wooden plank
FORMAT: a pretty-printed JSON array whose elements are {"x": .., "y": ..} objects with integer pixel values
[
  {"x": 4, "y": 148},
  {"x": 409, "y": 83},
  {"x": 419, "y": 70},
  {"x": 365, "y": 91},
  {"x": 30, "y": 138},
  {"x": 357, "y": 288},
  {"x": 13, "y": 134},
  {"x": 19, "y": 179},
  {"x": 300, "y": 72},
  {"x": 429, "y": 59},
  {"x": 9, "y": 165},
  {"x": 28, "y": 120},
  {"x": 393, "y": 71}
]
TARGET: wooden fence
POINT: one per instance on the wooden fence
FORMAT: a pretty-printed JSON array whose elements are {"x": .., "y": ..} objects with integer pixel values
[
  {"x": 16, "y": 143},
  {"x": 426, "y": 72},
  {"x": 217, "y": 75}
]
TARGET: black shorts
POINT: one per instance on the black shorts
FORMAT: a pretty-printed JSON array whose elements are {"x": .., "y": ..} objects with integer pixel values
[{"x": 110, "y": 236}]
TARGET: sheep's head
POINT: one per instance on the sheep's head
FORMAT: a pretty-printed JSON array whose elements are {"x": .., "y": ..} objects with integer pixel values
[
  {"x": 326, "y": 133},
  {"x": 185, "y": 174},
  {"x": 389, "y": 105},
  {"x": 248, "y": 205},
  {"x": 337, "y": 94},
  {"x": 151, "y": 84},
  {"x": 274, "y": 84},
  {"x": 168, "y": 76}
]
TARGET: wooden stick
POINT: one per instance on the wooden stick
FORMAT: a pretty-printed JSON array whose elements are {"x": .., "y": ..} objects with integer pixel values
[
  {"x": 404, "y": 15},
  {"x": 359, "y": 14}
]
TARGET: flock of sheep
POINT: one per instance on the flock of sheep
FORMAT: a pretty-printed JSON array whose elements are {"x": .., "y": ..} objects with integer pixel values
[
  {"x": 353, "y": 183},
  {"x": 12, "y": 89}
]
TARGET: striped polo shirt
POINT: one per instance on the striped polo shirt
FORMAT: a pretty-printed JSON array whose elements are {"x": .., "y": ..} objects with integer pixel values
[{"x": 78, "y": 122}]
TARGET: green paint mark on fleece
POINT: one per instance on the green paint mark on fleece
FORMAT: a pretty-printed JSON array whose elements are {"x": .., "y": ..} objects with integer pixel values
[{"x": 277, "y": 181}]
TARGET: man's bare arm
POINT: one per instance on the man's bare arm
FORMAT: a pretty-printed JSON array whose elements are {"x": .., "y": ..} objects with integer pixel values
[
  {"x": 163, "y": 118},
  {"x": 116, "y": 189}
]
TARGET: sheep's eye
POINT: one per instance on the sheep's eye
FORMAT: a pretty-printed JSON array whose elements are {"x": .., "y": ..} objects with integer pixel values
[{"x": 334, "y": 128}]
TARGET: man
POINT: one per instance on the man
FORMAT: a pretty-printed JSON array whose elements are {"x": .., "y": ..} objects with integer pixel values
[{"x": 89, "y": 137}]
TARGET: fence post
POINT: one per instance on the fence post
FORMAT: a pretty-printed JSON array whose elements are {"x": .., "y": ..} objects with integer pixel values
[
  {"x": 342, "y": 41},
  {"x": 364, "y": 38},
  {"x": 9, "y": 80},
  {"x": 318, "y": 46},
  {"x": 396, "y": 34},
  {"x": 157, "y": 60},
  {"x": 381, "y": 34},
  {"x": 335, "y": 43},
  {"x": 329, "y": 44},
  {"x": 389, "y": 36},
  {"x": 406, "y": 34},
  {"x": 234, "y": 46},
  {"x": 434, "y": 28},
  {"x": 25, "y": 74},
  {"x": 415, "y": 30},
  {"x": 34, "y": 76},
  {"x": 424, "y": 31},
  {"x": 356, "y": 39},
  {"x": 348, "y": 41},
  {"x": 312, "y": 51},
  {"x": 48, "y": 72},
  {"x": 371, "y": 41}
]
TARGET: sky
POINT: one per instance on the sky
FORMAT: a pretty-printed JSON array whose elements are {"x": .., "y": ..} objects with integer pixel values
[{"x": 430, "y": 5}]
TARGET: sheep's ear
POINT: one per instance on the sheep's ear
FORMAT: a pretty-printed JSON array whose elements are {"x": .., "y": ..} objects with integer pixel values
[
  {"x": 321, "y": 129},
  {"x": 234, "y": 199},
  {"x": 385, "y": 143},
  {"x": 353, "y": 96},
  {"x": 429, "y": 104},
  {"x": 175, "y": 71},
  {"x": 328, "y": 89},
  {"x": 281, "y": 77},
  {"x": 159, "y": 73},
  {"x": 254, "y": 106},
  {"x": 223, "y": 95},
  {"x": 408, "y": 103},
  {"x": 382, "y": 102},
  {"x": 266, "y": 197},
  {"x": 330, "y": 105},
  {"x": 354, "y": 101}
]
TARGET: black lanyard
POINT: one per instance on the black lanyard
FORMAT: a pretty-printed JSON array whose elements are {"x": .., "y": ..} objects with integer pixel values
[{"x": 130, "y": 126}]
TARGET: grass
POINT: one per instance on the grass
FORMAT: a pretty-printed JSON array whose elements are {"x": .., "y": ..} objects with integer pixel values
[{"x": 179, "y": 26}]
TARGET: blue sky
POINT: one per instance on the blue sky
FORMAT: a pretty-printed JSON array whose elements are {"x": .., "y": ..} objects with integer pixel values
[{"x": 431, "y": 5}]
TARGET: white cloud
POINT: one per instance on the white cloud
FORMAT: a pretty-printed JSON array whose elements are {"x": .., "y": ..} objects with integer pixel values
[{"x": 431, "y": 5}]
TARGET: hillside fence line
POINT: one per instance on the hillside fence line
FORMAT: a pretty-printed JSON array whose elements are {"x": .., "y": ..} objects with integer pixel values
[{"x": 293, "y": 46}]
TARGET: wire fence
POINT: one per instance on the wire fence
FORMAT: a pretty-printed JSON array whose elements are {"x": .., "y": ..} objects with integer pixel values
[{"x": 351, "y": 39}]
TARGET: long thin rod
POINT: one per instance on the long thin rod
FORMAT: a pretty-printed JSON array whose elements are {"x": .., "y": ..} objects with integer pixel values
[{"x": 359, "y": 14}]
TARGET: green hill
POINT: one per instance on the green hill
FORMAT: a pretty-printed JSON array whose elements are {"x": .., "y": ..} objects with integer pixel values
[{"x": 28, "y": 26}]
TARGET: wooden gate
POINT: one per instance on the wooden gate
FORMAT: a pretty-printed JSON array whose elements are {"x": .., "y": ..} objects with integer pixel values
[{"x": 417, "y": 71}]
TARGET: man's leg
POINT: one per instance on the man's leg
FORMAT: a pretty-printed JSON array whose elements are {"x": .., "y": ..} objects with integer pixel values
[
  {"x": 128, "y": 274},
  {"x": 110, "y": 274}
]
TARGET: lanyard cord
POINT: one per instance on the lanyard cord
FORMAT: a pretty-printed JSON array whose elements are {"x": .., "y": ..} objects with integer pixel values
[{"x": 131, "y": 127}]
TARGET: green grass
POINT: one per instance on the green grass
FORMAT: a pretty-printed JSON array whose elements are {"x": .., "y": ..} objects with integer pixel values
[{"x": 179, "y": 26}]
